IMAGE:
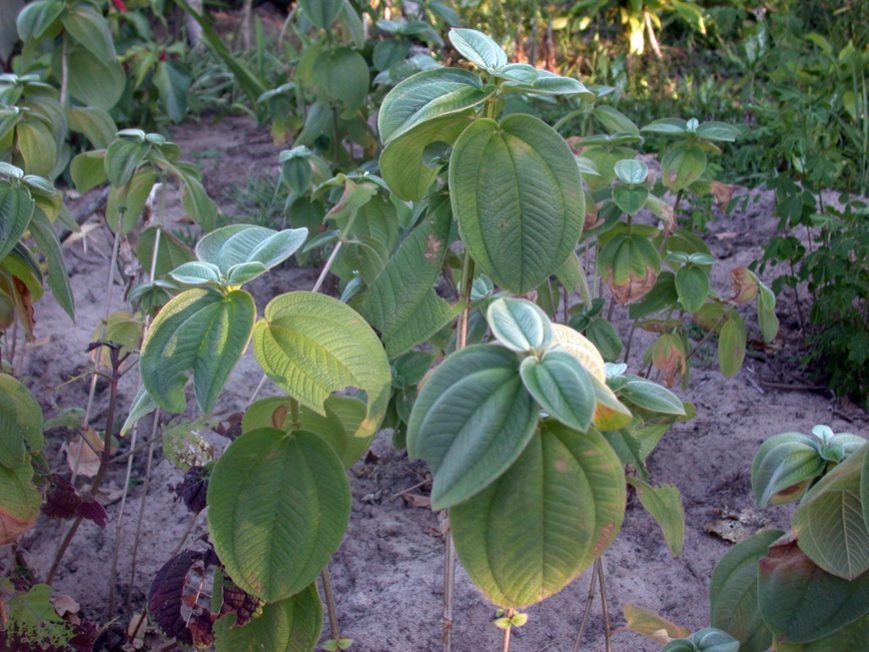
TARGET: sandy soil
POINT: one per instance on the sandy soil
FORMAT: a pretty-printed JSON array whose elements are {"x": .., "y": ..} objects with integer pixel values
[{"x": 388, "y": 573}]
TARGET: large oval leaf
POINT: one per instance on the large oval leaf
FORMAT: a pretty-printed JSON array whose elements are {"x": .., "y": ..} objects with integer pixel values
[
  {"x": 427, "y": 95},
  {"x": 800, "y": 602},
  {"x": 16, "y": 209},
  {"x": 529, "y": 534},
  {"x": 733, "y": 593},
  {"x": 278, "y": 505},
  {"x": 95, "y": 82},
  {"x": 519, "y": 325},
  {"x": 478, "y": 48},
  {"x": 517, "y": 195},
  {"x": 87, "y": 26},
  {"x": 731, "y": 346},
  {"x": 289, "y": 625},
  {"x": 403, "y": 163},
  {"x": 19, "y": 507},
  {"x": 311, "y": 345},
  {"x": 852, "y": 637},
  {"x": 342, "y": 74},
  {"x": 783, "y": 467},
  {"x": 830, "y": 524},
  {"x": 202, "y": 331},
  {"x": 37, "y": 147},
  {"x": 322, "y": 12},
  {"x": 20, "y": 422},
  {"x": 562, "y": 387},
  {"x": 692, "y": 286},
  {"x": 471, "y": 421}
]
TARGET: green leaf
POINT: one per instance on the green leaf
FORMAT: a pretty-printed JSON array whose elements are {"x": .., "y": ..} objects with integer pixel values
[
  {"x": 670, "y": 126},
  {"x": 802, "y": 603},
  {"x": 851, "y": 637},
  {"x": 342, "y": 74},
  {"x": 401, "y": 303},
  {"x": 289, "y": 625},
  {"x": 708, "y": 639},
  {"x": 20, "y": 423},
  {"x": 682, "y": 165},
  {"x": 58, "y": 276},
  {"x": 783, "y": 468},
  {"x": 652, "y": 625},
  {"x": 606, "y": 339},
  {"x": 562, "y": 387},
  {"x": 631, "y": 171},
  {"x": 517, "y": 195},
  {"x": 830, "y": 524},
  {"x": 402, "y": 163},
  {"x": 202, "y": 331},
  {"x": 629, "y": 264},
  {"x": 237, "y": 244},
  {"x": 540, "y": 524},
  {"x": 322, "y": 12},
  {"x": 733, "y": 593},
  {"x": 519, "y": 325},
  {"x": 311, "y": 345},
  {"x": 37, "y": 146},
  {"x": 88, "y": 27},
  {"x": 197, "y": 203},
  {"x": 37, "y": 18},
  {"x": 342, "y": 419},
  {"x": 142, "y": 404},
  {"x": 630, "y": 199},
  {"x": 196, "y": 272},
  {"x": 766, "y": 316},
  {"x": 651, "y": 396},
  {"x": 172, "y": 83},
  {"x": 170, "y": 254},
  {"x": 692, "y": 287},
  {"x": 19, "y": 508},
  {"x": 96, "y": 125},
  {"x": 427, "y": 95},
  {"x": 731, "y": 346},
  {"x": 471, "y": 421},
  {"x": 122, "y": 159},
  {"x": 88, "y": 170},
  {"x": 8, "y": 29},
  {"x": 128, "y": 204},
  {"x": 614, "y": 121},
  {"x": 719, "y": 131},
  {"x": 478, "y": 48},
  {"x": 16, "y": 210},
  {"x": 664, "y": 504},
  {"x": 278, "y": 506},
  {"x": 93, "y": 81}
]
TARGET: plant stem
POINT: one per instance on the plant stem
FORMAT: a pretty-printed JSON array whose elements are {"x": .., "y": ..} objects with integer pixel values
[
  {"x": 104, "y": 460},
  {"x": 704, "y": 339},
  {"x": 326, "y": 578},
  {"x": 145, "y": 486},
  {"x": 604, "y": 606},
  {"x": 505, "y": 642},
  {"x": 586, "y": 613},
  {"x": 64, "y": 72}
]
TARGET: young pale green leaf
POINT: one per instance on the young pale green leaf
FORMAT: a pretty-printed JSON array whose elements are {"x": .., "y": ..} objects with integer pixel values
[
  {"x": 519, "y": 325},
  {"x": 540, "y": 524},
  {"x": 202, "y": 331},
  {"x": 630, "y": 199},
  {"x": 236, "y": 244},
  {"x": 708, "y": 639},
  {"x": 562, "y": 387},
  {"x": 731, "y": 345},
  {"x": 402, "y": 163},
  {"x": 93, "y": 81},
  {"x": 122, "y": 159},
  {"x": 783, "y": 468},
  {"x": 289, "y": 625},
  {"x": 16, "y": 210},
  {"x": 21, "y": 502},
  {"x": 664, "y": 504},
  {"x": 800, "y": 602},
  {"x": 631, "y": 170},
  {"x": 20, "y": 422},
  {"x": 651, "y": 396},
  {"x": 651, "y": 625},
  {"x": 733, "y": 593},
  {"x": 88, "y": 27},
  {"x": 427, "y": 95},
  {"x": 278, "y": 505},
  {"x": 692, "y": 287},
  {"x": 471, "y": 421},
  {"x": 766, "y": 316},
  {"x": 322, "y": 12},
  {"x": 682, "y": 165},
  {"x": 58, "y": 278},
  {"x": 96, "y": 124},
  {"x": 478, "y": 48},
  {"x": 88, "y": 170},
  {"x": 311, "y": 345},
  {"x": 196, "y": 272},
  {"x": 401, "y": 303},
  {"x": 830, "y": 524},
  {"x": 142, "y": 404},
  {"x": 517, "y": 195}
]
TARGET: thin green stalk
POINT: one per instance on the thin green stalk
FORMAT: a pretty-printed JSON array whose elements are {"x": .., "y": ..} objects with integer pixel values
[{"x": 505, "y": 641}]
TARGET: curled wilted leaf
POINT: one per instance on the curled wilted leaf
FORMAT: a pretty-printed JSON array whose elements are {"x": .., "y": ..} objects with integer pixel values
[
  {"x": 722, "y": 193},
  {"x": 63, "y": 501},
  {"x": 240, "y": 602},
  {"x": 744, "y": 285},
  {"x": 668, "y": 355},
  {"x": 629, "y": 264},
  {"x": 81, "y": 456},
  {"x": 168, "y": 603},
  {"x": 193, "y": 488}
]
